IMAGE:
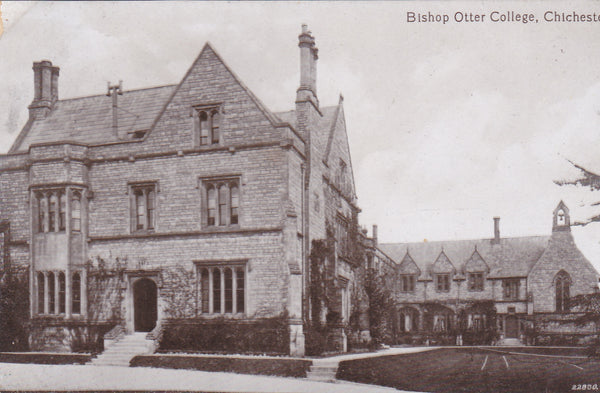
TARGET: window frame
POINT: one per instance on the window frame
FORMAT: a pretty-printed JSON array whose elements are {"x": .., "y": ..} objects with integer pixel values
[
  {"x": 407, "y": 283},
  {"x": 150, "y": 215},
  {"x": 222, "y": 294},
  {"x": 562, "y": 281},
  {"x": 207, "y": 129},
  {"x": 511, "y": 288},
  {"x": 446, "y": 282},
  {"x": 475, "y": 281},
  {"x": 222, "y": 204}
]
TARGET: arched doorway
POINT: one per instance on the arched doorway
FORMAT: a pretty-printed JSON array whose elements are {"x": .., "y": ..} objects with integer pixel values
[
  {"x": 511, "y": 327},
  {"x": 144, "y": 305}
]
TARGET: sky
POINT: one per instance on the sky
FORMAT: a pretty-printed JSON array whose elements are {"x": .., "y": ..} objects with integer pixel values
[{"x": 449, "y": 124}]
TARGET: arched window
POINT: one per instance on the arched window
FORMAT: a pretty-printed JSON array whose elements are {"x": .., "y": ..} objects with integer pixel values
[
  {"x": 228, "y": 290},
  {"x": 76, "y": 212},
  {"x": 150, "y": 205},
  {"x": 204, "y": 290},
  {"x": 214, "y": 123},
  {"x": 62, "y": 216},
  {"x": 52, "y": 213},
  {"x": 42, "y": 213},
  {"x": 140, "y": 209},
  {"x": 240, "y": 290},
  {"x": 216, "y": 290},
  {"x": 212, "y": 205},
  {"x": 223, "y": 205},
  {"x": 235, "y": 203},
  {"x": 144, "y": 201},
  {"x": 76, "y": 293},
  {"x": 51, "y": 293},
  {"x": 560, "y": 217},
  {"x": 204, "y": 128},
  {"x": 61, "y": 292},
  {"x": 41, "y": 292},
  {"x": 562, "y": 283},
  {"x": 408, "y": 319}
]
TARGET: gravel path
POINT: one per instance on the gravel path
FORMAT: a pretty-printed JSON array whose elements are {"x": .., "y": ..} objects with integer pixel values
[{"x": 75, "y": 377}]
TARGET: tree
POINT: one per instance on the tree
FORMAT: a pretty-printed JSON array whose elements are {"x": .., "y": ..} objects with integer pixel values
[
  {"x": 586, "y": 179},
  {"x": 589, "y": 306},
  {"x": 380, "y": 305}
]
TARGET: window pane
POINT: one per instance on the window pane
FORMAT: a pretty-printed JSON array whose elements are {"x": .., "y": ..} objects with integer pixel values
[
  {"x": 43, "y": 213},
  {"x": 203, "y": 128},
  {"x": 140, "y": 209},
  {"x": 223, "y": 205},
  {"x": 212, "y": 206},
  {"x": 76, "y": 290},
  {"x": 215, "y": 126},
  {"x": 216, "y": 290},
  {"x": 61, "y": 292},
  {"x": 76, "y": 212},
  {"x": 63, "y": 211},
  {"x": 235, "y": 201},
  {"x": 52, "y": 212},
  {"x": 228, "y": 291},
  {"x": 151, "y": 201},
  {"x": 240, "y": 290},
  {"x": 51, "y": 293},
  {"x": 41, "y": 291},
  {"x": 204, "y": 288}
]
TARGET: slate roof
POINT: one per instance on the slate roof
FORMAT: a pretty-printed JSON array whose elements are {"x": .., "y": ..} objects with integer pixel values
[
  {"x": 512, "y": 257},
  {"x": 325, "y": 123},
  {"x": 89, "y": 119}
]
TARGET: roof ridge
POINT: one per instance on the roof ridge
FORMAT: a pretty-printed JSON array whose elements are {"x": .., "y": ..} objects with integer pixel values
[
  {"x": 467, "y": 240},
  {"x": 124, "y": 91}
]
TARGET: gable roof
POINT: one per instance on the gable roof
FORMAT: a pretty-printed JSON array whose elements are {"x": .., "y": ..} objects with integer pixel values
[
  {"x": 512, "y": 257},
  {"x": 326, "y": 122},
  {"x": 442, "y": 264},
  {"x": 89, "y": 119},
  {"x": 408, "y": 265}
]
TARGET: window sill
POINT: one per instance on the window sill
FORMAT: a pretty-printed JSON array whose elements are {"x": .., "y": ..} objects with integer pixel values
[
  {"x": 220, "y": 228},
  {"x": 224, "y": 316}
]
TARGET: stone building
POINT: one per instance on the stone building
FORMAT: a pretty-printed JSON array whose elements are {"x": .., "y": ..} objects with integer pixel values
[
  {"x": 195, "y": 198},
  {"x": 527, "y": 280}
]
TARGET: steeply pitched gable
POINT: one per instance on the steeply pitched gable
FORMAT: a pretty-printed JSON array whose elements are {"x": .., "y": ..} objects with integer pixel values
[
  {"x": 209, "y": 81},
  {"x": 442, "y": 264},
  {"x": 476, "y": 263},
  {"x": 337, "y": 150},
  {"x": 408, "y": 265}
]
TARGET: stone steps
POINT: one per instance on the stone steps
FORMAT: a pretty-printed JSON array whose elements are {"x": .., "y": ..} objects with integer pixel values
[
  {"x": 510, "y": 342},
  {"x": 122, "y": 351},
  {"x": 322, "y": 371}
]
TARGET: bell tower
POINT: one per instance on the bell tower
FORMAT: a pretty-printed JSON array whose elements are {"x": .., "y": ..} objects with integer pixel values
[{"x": 561, "y": 220}]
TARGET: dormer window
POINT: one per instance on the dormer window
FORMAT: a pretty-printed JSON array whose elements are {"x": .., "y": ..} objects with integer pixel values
[
  {"x": 442, "y": 282},
  {"x": 207, "y": 121}
]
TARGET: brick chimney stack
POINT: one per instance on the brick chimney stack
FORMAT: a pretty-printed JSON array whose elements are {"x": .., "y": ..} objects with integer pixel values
[
  {"x": 308, "y": 68},
  {"x": 496, "y": 239},
  {"x": 375, "y": 235},
  {"x": 45, "y": 89}
]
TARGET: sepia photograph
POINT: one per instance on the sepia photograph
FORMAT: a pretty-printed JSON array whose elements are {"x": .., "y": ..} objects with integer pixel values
[{"x": 309, "y": 196}]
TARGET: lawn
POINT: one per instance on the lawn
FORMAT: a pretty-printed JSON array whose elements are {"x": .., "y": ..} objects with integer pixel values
[{"x": 477, "y": 370}]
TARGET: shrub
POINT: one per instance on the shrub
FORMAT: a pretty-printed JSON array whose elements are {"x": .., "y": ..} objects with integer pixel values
[{"x": 266, "y": 335}]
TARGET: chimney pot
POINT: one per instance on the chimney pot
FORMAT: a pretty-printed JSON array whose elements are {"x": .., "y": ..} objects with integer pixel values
[
  {"x": 45, "y": 84},
  {"x": 375, "y": 234},
  {"x": 308, "y": 67}
]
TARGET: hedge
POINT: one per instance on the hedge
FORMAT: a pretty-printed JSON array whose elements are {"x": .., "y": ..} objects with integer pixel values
[{"x": 266, "y": 335}]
